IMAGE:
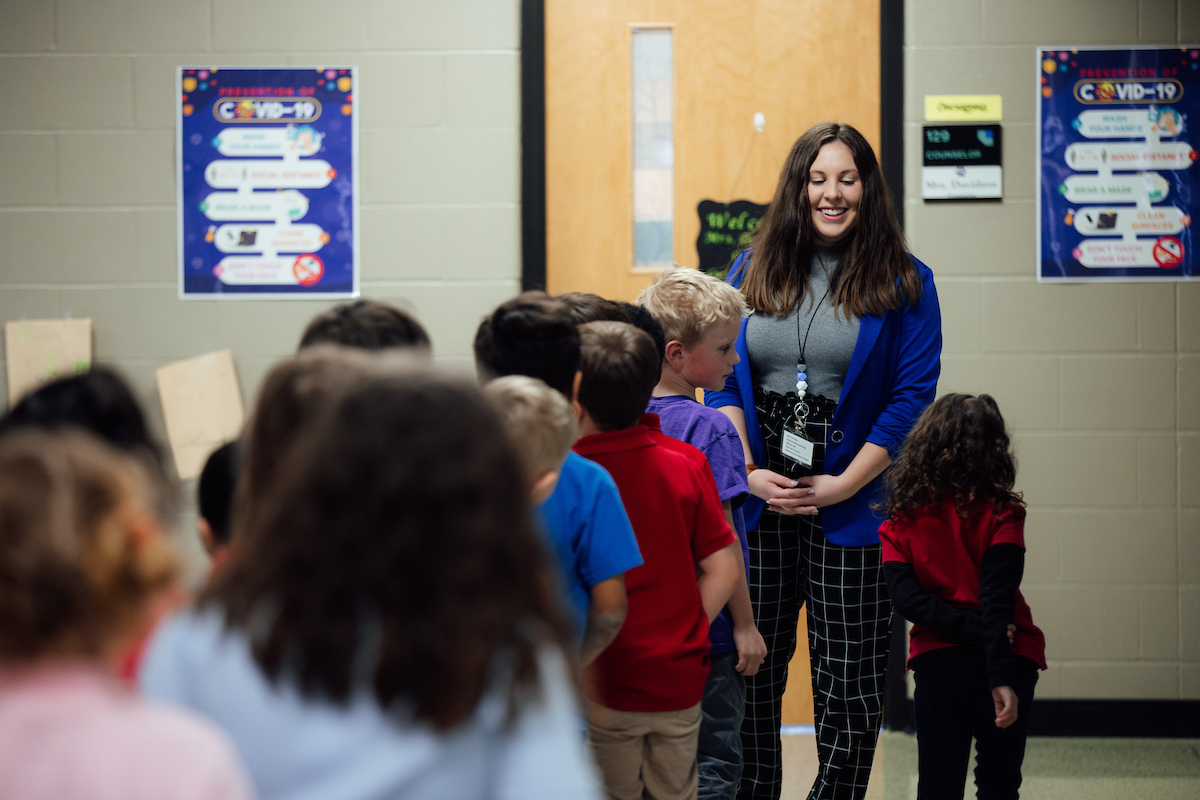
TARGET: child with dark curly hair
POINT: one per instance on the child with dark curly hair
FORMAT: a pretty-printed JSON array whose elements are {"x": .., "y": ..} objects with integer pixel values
[{"x": 953, "y": 553}]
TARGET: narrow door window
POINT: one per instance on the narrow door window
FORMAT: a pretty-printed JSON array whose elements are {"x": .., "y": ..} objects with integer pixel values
[{"x": 653, "y": 147}]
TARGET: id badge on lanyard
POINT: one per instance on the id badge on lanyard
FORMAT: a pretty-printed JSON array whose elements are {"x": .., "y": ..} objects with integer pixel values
[
  {"x": 797, "y": 448},
  {"x": 796, "y": 445}
]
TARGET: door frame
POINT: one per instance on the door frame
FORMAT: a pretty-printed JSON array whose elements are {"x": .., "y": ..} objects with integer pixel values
[{"x": 533, "y": 144}]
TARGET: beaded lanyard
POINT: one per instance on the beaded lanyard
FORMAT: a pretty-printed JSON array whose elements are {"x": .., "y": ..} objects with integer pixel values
[
  {"x": 801, "y": 411},
  {"x": 795, "y": 445}
]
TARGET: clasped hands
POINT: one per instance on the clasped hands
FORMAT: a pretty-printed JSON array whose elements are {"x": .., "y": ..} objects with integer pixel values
[{"x": 799, "y": 496}]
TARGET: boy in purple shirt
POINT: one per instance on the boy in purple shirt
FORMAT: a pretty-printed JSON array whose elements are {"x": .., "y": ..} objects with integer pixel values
[{"x": 701, "y": 317}]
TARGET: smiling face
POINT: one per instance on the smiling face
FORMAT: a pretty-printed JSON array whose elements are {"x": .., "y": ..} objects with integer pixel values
[
  {"x": 834, "y": 192},
  {"x": 711, "y": 361}
]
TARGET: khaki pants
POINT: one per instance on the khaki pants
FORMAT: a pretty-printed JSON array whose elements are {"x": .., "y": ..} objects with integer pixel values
[{"x": 645, "y": 755}]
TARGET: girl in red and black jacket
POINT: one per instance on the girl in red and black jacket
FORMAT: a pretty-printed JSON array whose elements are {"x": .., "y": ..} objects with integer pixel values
[{"x": 953, "y": 552}]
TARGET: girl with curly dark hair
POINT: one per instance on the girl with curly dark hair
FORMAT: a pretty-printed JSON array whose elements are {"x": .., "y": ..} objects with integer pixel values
[
  {"x": 384, "y": 626},
  {"x": 954, "y": 552}
]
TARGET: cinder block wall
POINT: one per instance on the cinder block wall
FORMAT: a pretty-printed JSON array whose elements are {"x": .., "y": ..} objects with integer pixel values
[
  {"x": 87, "y": 166},
  {"x": 87, "y": 169},
  {"x": 1101, "y": 383}
]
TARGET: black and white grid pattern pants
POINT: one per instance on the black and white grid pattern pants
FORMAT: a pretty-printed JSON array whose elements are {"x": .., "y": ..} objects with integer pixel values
[{"x": 849, "y": 620}]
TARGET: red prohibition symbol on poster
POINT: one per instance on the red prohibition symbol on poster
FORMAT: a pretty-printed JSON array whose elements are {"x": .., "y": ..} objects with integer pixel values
[
  {"x": 1168, "y": 252},
  {"x": 309, "y": 268}
]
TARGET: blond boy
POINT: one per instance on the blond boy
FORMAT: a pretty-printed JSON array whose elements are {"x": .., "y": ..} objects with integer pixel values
[
  {"x": 701, "y": 318},
  {"x": 541, "y": 424}
]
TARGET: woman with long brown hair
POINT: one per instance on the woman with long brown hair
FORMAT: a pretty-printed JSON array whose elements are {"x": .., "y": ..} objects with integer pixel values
[
  {"x": 384, "y": 626},
  {"x": 839, "y": 355}
]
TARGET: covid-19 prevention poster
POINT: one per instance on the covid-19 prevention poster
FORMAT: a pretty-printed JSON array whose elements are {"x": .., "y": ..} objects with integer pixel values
[
  {"x": 268, "y": 175},
  {"x": 1119, "y": 182}
]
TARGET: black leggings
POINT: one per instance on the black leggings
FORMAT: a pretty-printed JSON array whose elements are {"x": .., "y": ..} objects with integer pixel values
[{"x": 953, "y": 704}]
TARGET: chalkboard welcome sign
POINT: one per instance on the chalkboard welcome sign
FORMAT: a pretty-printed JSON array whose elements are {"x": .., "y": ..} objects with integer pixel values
[{"x": 725, "y": 229}]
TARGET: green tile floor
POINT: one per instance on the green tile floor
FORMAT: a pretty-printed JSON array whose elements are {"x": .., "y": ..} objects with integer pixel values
[{"x": 1055, "y": 769}]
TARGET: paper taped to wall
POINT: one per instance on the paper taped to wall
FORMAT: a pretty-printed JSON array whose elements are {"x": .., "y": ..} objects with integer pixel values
[
  {"x": 202, "y": 406},
  {"x": 40, "y": 350},
  {"x": 963, "y": 107}
]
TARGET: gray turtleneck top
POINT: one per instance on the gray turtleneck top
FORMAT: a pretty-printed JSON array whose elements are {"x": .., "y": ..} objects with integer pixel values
[{"x": 774, "y": 341}]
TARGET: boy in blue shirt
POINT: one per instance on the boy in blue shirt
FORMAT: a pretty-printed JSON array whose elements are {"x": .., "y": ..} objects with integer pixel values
[
  {"x": 533, "y": 334},
  {"x": 701, "y": 317}
]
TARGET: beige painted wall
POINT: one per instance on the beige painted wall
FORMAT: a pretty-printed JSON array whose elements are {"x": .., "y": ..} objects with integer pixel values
[
  {"x": 87, "y": 166},
  {"x": 1101, "y": 383}
]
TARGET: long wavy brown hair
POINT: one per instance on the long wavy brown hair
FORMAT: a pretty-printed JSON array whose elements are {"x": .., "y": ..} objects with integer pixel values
[
  {"x": 393, "y": 552},
  {"x": 958, "y": 449},
  {"x": 874, "y": 274}
]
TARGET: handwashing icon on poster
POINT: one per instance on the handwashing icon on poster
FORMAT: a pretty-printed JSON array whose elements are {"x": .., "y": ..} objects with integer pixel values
[
  {"x": 267, "y": 181},
  {"x": 1117, "y": 133}
]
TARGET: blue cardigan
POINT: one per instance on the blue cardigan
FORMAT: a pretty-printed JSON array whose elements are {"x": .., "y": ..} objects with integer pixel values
[{"x": 891, "y": 379}]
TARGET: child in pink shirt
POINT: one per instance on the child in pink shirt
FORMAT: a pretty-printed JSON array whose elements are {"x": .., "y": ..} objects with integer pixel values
[{"x": 84, "y": 559}]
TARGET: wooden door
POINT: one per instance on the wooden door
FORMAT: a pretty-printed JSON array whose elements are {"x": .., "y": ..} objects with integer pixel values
[{"x": 798, "y": 62}]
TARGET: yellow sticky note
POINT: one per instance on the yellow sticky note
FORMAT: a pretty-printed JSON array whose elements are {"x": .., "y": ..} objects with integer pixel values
[{"x": 962, "y": 107}]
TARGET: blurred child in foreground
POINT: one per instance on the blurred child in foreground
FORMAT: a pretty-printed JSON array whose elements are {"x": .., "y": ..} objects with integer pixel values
[
  {"x": 102, "y": 403},
  {"x": 374, "y": 635},
  {"x": 83, "y": 556}
]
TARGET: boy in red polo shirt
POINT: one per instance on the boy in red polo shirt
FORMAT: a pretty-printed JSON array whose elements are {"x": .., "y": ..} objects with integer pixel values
[{"x": 644, "y": 691}]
